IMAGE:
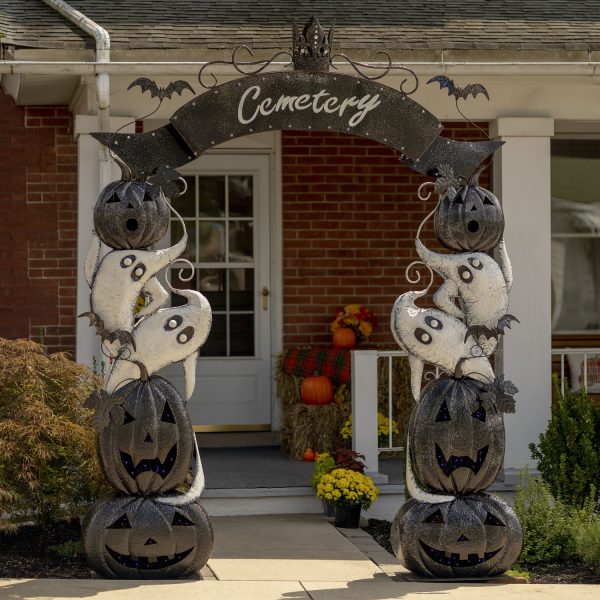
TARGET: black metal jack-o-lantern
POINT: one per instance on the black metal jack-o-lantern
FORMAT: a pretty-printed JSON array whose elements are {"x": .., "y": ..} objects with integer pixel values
[
  {"x": 131, "y": 214},
  {"x": 469, "y": 218},
  {"x": 456, "y": 439},
  {"x": 473, "y": 536},
  {"x": 149, "y": 451},
  {"x": 132, "y": 537}
]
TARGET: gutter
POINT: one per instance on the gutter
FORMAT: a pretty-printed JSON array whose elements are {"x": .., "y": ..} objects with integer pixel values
[{"x": 99, "y": 70}]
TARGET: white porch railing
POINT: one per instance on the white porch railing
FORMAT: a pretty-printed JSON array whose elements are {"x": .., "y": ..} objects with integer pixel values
[
  {"x": 365, "y": 394},
  {"x": 583, "y": 361}
]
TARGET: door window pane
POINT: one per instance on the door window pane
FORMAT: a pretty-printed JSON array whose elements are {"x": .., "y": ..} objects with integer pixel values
[
  {"x": 241, "y": 241},
  {"x": 212, "y": 282},
  {"x": 186, "y": 205},
  {"x": 211, "y": 196},
  {"x": 216, "y": 343},
  {"x": 177, "y": 233},
  {"x": 240, "y": 195},
  {"x": 241, "y": 286},
  {"x": 211, "y": 241},
  {"x": 241, "y": 335}
]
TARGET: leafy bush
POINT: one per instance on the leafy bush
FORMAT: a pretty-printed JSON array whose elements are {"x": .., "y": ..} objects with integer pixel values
[
  {"x": 587, "y": 539},
  {"x": 48, "y": 467},
  {"x": 568, "y": 454},
  {"x": 324, "y": 464},
  {"x": 546, "y": 522},
  {"x": 68, "y": 549}
]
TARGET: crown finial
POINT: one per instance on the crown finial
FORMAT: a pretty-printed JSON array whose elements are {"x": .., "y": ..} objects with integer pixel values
[{"x": 311, "y": 47}]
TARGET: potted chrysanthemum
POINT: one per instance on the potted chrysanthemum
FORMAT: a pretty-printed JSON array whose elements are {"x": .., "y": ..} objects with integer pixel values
[{"x": 350, "y": 491}]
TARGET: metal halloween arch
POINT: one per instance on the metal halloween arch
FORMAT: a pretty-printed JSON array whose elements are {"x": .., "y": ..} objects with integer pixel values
[{"x": 308, "y": 98}]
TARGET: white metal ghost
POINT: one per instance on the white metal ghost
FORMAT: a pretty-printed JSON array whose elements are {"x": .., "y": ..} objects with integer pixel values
[
  {"x": 117, "y": 279},
  {"x": 481, "y": 283},
  {"x": 431, "y": 336},
  {"x": 167, "y": 336}
]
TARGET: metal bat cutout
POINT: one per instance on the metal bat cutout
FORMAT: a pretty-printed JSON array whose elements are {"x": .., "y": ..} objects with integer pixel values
[
  {"x": 161, "y": 93},
  {"x": 169, "y": 335},
  {"x": 474, "y": 89},
  {"x": 481, "y": 283},
  {"x": 118, "y": 279},
  {"x": 432, "y": 336}
]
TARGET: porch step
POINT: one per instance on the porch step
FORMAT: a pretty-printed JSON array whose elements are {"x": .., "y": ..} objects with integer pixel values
[{"x": 237, "y": 439}]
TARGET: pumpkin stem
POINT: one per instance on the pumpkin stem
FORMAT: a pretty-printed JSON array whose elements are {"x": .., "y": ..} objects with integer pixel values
[{"x": 143, "y": 370}]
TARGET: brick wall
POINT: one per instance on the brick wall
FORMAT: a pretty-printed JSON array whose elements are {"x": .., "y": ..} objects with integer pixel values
[
  {"x": 350, "y": 214},
  {"x": 38, "y": 224}
]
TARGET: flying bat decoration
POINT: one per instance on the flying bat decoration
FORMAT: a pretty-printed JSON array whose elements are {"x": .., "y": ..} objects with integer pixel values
[
  {"x": 482, "y": 285},
  {"x": 432, "y": 336},
  {"x": 473, "y": 89},
  {"x": 118, "y": 279},
  {"x": 161, "y": 93},
  {"x": 167, "y": 336}
]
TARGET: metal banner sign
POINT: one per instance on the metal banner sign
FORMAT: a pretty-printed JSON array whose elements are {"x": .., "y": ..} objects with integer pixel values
[{"x": 307, "y": 98}]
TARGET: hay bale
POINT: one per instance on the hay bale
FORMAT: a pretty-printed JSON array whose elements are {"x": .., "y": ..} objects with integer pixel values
[{"x": 312, "y": 426}]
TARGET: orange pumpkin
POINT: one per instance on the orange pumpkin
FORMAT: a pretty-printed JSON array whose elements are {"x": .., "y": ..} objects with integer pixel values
[
  {"x": 316, "y": 390},
  {"x": 344, "y": 337},
  {"x": 309, "y": 455}
]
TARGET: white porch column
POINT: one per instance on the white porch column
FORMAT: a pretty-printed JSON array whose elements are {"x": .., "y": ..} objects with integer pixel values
[
  {"x": 521, "y": 179},
  {"x": 88, "y": 187}
]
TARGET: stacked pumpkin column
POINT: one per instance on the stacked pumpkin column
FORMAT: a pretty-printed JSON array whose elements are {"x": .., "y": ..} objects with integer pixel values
[
  {"x": 455, "y": 448},
  {"x": 152, "y": 526}
]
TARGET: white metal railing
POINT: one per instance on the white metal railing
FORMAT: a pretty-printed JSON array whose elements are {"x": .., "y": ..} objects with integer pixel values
[{"x": 574, "y": 355}]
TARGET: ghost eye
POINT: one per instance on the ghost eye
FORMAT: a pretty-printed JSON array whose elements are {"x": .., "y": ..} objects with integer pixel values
[
  {"x": 127, "y": 261},
  {"x": 465, "y": 274},
  {"x": 122, "y": 523},
  {"x": 479, "y": 414},
  {"x": 476, "y": 263},
  {"x": 492, "y": 520},
  {"x": 181, "y": 521},
  {"x": 422, "y": 336},
  {"x": 443, "y": 414},
  {"x": 138, "y": 272},
  {"x": 433, "y": 323},
  {"x": 436, "y": 517},
  {"x": 185, "y": 335},
  {"x": 173, "y": 322},
  {"x": 113, "y": 198},
  {"x": 127, "y": 418},
  {"x": 167, "y": 414}
]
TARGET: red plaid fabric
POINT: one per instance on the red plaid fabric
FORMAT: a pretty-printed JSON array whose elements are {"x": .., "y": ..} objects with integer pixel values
[{"x": 333, "y": 362}]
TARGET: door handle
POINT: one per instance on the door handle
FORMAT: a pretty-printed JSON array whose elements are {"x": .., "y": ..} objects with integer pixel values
[{"x": 265, "y": 298}]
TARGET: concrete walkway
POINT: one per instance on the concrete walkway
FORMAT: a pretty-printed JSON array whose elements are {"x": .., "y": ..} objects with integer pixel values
[{"x": 287, "y": 557}]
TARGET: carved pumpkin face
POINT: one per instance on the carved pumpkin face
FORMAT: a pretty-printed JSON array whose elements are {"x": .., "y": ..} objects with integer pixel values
[
  {"x": 469, "y": 218},
  {"x": 456, "y": 443},
  {"x": 472, "y": 536},
  {"x": 131, "y": 214},
  {"x": 139, "y": 538},
  {"x": 149, "y": 451}
]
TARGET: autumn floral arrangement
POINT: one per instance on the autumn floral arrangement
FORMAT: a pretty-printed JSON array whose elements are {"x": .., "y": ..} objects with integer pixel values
[
  {"x": 359, "y": 319},
  {"x": 383, "y": 429},
  {"x": 344, "y": 487}
]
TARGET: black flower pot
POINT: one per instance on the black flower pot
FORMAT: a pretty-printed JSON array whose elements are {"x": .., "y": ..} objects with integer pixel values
[
  {"x": 347, "y": 517},
  {"x": 328, "y": 508}
]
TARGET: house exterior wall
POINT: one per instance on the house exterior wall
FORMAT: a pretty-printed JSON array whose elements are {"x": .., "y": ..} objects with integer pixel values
[
  {"x": 38, "y": 229},
  {"x": 350, "y": 215}
]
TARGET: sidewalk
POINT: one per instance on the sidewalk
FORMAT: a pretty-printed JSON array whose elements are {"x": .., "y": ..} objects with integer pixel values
[{"x": 286, "y": 557}]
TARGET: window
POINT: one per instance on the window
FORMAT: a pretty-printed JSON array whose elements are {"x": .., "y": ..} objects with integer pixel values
[
  {"x": 575, "y": 236},
  {"x": 219, "y": 218}
]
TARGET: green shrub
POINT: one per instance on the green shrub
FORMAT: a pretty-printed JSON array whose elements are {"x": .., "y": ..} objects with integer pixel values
[
  {"x": 568, "y": 454},
  {"x": 547, "y": 524},
  {"x": 48, "y": 467},
  {"x": 324, "y": 463},
  {"x": 587, "y": 539},
  {"x": 68, "y": 549}
]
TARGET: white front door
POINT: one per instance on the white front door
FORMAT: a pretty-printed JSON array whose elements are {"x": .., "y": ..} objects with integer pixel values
[{"x": 226, "y": 212}]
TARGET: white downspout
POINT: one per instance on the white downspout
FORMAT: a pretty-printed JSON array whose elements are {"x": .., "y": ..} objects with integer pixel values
[{"x": 102, "y": 77}]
